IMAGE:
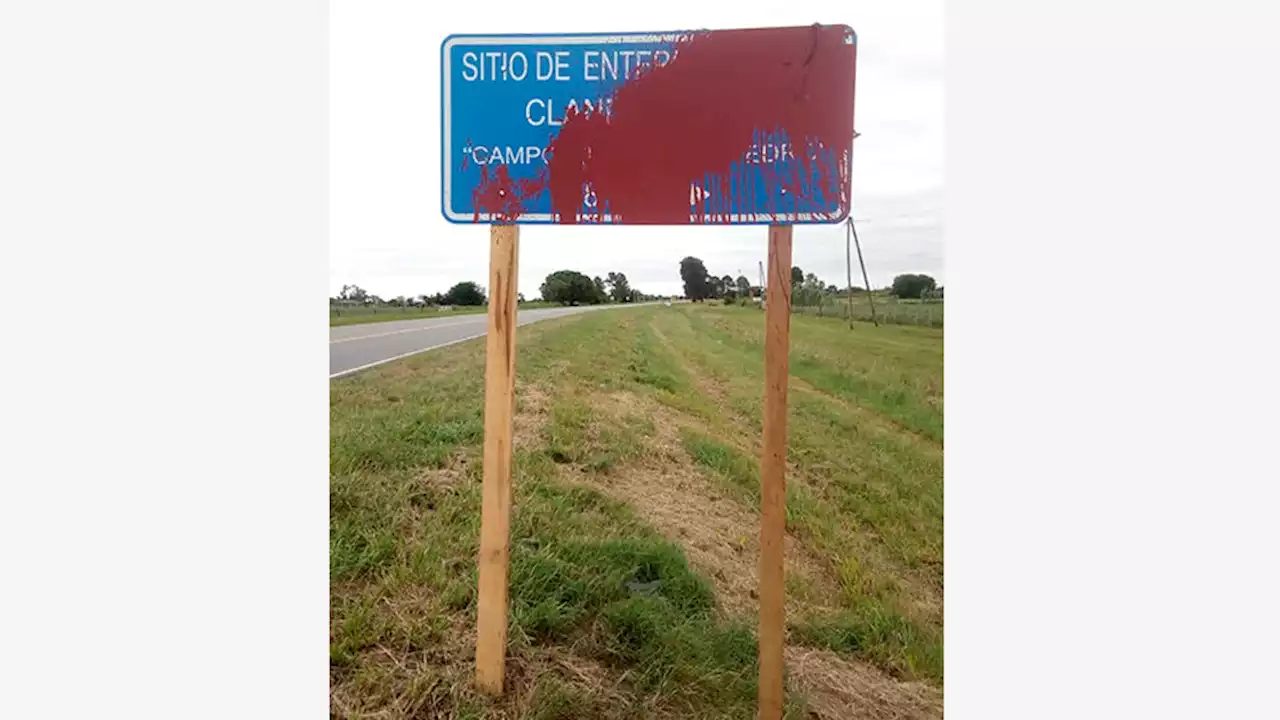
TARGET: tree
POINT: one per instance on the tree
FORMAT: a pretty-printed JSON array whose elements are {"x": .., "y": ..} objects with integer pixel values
[
  {"x": 464, "y": 293},
  {"x": 797, "y": 276},
  {"x": 728, "y": 288},
  {"x": 601, "y": 294},
  {"x": 811, "y": 291},
  {"x": 697, "y": 285},
  {"x": 619, "y": 287},
  {"x": 353, "y": 292},
  {"x": 912, "y": 286},
  {"x": 569, "y": 287},
  {"x": 717, "y": 287},
  {"x": 744, "y": 286},
  {"x": 520, "y": 297}
]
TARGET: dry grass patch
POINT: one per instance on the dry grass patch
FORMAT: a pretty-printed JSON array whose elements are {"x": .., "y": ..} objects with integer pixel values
[
  {"x": 720, "y": 534},
  {"x": 532, "y": 403},
  {"x": 839, "y": 689}
]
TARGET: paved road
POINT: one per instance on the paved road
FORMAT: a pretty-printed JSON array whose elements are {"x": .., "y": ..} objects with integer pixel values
[{"x": 353, "y": 348}]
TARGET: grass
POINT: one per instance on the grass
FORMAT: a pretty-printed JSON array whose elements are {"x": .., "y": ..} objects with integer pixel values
[{"x": 637, "y": 441}]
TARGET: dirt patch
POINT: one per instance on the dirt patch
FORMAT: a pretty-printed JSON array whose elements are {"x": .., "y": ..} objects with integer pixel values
[{"x": 838, "y": 689}]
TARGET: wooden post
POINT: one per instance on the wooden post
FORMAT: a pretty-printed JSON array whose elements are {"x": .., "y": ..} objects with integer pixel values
[
  {"x": 499, "y": 409},
  {"x": 773, "y": 468}
]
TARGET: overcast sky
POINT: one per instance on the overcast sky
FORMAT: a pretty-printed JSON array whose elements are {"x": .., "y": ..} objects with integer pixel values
[{"x": 387, "y": 233}]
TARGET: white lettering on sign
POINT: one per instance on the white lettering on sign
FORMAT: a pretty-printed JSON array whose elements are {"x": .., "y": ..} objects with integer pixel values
[
  {"x": 539, "y": 112},
  {"x": 615, "y": 64},
  {"x": 552, "y": 67},
  {"x": 489, "y": 66},
  {"x": 529, "y": 112},
  {"x": 768, "y": 153},
  {"x": 523, "y": 65},
  {"x": 501, "y": 65},
  {"x": 493, "y": 65},
  {"x": 544, "y": 66},
  {"x": 469, "y": 70},
  {"x": 591, "y": 65},
  {"x": 482, "y": 155}
]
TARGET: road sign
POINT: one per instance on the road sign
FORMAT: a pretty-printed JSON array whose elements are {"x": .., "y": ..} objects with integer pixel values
[{"x": 720, "y": 127}]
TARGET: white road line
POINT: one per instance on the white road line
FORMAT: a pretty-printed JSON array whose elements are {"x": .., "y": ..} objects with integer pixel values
[
  {"x": 400, "y": 332},
  {"x": 384, "y": 361}
]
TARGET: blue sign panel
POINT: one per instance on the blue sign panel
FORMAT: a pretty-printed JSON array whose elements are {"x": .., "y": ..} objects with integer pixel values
[{"x": 504, "y": 98}]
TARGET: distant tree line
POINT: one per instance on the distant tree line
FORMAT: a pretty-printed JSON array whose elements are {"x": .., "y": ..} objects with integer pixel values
[
  {"x": 806, "y": 288},
  {"x": 463, "y": 293},
  {"x": 567, "y": 287},
  {"x": 700, "y": 285},
  {"x": 570, "y": 287}
]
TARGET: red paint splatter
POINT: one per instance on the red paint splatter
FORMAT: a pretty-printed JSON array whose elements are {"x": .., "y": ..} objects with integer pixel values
[
  {"x": 501, "y": 197},
  {"x": 691, "y": 120}
]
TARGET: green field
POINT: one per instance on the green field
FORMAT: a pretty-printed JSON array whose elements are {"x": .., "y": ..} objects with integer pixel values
[
  {"x": 636, "y": 459},
  {"x": 888, "y": 310}
]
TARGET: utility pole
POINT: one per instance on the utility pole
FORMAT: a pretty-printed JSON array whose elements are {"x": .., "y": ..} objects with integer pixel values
[
  {"x": 848, "y": 266},
  {"x": 870, "y": 298},
  {"x": 762, "y": 298}
]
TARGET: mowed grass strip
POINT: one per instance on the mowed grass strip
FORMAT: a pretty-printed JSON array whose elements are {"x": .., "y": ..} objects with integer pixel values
[
  {"x": 865, "y": 485},
  {"x": 607, "y": 617},
  {"x": 589, "y": 581}
]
